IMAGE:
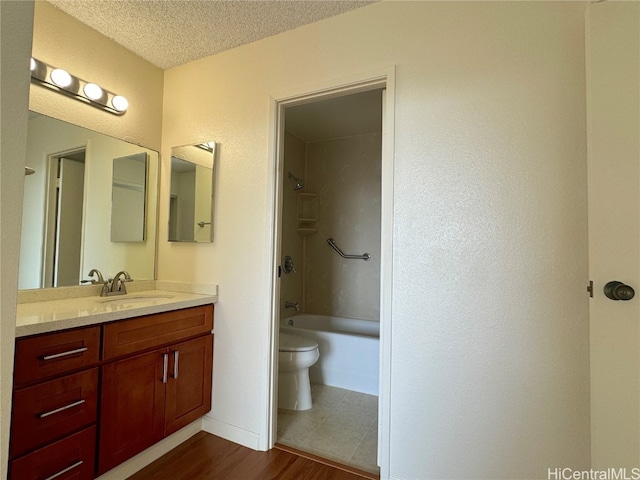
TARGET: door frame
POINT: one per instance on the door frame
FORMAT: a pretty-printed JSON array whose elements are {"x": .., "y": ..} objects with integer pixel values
[
  {"x": 50, "y": 226},
  {"x": 385, "y": 78}
]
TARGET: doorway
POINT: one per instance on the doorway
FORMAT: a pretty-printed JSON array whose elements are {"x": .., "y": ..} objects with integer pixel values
[
  {"x": 325, "y": 188},
  {"x": 64, "y": 216}
]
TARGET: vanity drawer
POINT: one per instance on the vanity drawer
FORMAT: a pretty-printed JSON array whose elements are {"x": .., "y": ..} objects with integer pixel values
[
  {"x": 151, "y": 331},
  {"x": 72, "y": 458},
  {"x": 53, "y": 409},
  {"x": 55, "y": 354}
]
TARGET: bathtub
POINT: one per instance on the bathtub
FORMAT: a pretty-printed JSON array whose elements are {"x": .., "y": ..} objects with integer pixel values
[{"x": 349, "y": 350}]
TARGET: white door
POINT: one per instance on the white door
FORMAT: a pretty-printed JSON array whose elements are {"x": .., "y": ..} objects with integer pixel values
[
  {"x": 613, "y": 136},
  {"x": 69, "y": 223}
]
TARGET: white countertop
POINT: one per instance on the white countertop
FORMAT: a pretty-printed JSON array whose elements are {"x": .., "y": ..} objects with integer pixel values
[{"x": 52, "y": 315}]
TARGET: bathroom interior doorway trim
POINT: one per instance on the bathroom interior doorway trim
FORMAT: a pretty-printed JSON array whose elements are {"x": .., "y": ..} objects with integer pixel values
[{"x": 382, "y": 78}]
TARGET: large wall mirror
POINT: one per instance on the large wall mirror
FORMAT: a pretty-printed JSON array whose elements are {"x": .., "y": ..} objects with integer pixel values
[
  {"x": 191, "y": 198},
  {"x": 91, "y": 203}
]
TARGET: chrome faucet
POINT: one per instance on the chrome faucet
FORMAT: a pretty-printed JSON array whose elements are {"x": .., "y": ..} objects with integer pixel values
[
  {"x": 115, "y": 285},
  {"x": 292, "y": 305},
  {"x": 98, "y": 274}
]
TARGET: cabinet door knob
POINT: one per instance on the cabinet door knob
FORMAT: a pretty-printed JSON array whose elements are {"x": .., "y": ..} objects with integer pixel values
[{"x": 618, "y": 291}]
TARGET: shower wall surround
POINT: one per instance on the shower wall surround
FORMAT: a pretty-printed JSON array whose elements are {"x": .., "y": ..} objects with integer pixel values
[
  {"x": 346, "y": 175},
  {"x": 292, "y": 243}
]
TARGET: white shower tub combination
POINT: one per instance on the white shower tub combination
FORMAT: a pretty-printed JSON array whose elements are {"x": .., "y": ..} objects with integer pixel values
[{"x": 349, "y": 350}]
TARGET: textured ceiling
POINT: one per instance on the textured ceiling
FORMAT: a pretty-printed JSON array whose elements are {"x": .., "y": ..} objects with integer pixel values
[{"x": 169, "y": 33}]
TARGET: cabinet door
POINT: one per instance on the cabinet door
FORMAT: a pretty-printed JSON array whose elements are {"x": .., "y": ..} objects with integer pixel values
[
  {"x": 132, "y": 415},
  {"x": 189, "y": 385}
]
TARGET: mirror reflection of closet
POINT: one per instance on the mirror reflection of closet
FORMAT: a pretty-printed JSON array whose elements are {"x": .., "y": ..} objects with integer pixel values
[{"x": 191, "y": 195}]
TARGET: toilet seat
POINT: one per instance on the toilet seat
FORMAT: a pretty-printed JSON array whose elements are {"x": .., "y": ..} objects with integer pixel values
[{"x": 296, "y": 343}]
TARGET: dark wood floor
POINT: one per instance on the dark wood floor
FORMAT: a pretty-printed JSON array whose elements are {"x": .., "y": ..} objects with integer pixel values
[{"x": 207, "y": 457}]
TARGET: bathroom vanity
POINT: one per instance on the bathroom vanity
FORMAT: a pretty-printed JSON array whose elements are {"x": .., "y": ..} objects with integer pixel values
[{"x": 88, "y": 397}]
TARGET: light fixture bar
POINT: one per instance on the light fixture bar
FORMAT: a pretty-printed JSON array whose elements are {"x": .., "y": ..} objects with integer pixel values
[{"x": 61, "y": 81}]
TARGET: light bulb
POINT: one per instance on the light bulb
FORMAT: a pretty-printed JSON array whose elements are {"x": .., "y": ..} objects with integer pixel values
[
  {"x": 33, "y": 64},
  {"x": 120, "y": 103},
  {"x": 61, "y": 78},
  {"x": 93, "y": 91}
]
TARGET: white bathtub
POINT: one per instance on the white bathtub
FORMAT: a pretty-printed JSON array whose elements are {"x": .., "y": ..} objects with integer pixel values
[{"x": 349, "y": 350}]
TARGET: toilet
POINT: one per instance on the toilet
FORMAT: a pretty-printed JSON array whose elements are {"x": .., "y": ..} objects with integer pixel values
[{"x": 296, "y": 355}]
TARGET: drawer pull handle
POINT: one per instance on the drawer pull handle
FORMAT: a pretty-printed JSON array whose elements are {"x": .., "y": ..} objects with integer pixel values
[
  {"x": 176, "y": 357},
  {"x": 61, "y": 409},
  {"x": 64, "y": 354},
  {"x": 165, "y": 367},
  {"x": 68, "y": 469}
]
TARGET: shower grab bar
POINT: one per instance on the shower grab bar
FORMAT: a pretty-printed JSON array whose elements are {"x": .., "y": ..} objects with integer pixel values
[{"x": 332, "y": 242}]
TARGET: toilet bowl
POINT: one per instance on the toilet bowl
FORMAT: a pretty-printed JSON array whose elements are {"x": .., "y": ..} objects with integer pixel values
[{"x": 296, "y": 355}]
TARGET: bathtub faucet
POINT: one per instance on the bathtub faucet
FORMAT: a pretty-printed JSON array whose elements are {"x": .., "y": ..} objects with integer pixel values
[{"x": 292, "y": 305}]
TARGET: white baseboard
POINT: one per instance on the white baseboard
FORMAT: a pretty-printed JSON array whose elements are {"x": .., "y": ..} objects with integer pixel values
[
  {"x": 231, "y": 432},
  {"x": 151, "y": 454}
]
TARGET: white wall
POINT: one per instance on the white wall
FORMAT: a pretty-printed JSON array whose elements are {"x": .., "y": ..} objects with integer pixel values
[
  {"x": 613, "y": 80},
  {"x": 490, "y": 359},
  {"x": 16, "y": 20}
]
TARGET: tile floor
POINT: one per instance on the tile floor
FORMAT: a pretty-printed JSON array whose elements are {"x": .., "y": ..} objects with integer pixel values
[{"x": 342, "y": 426}]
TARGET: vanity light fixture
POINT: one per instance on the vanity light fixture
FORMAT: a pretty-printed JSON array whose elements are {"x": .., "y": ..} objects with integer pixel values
[
  {"x": 93, "y": 92},
  {"x": 120, "y": 103},
  {"x": 61, "y": 81},
  {"x": 61, "y": 78}
]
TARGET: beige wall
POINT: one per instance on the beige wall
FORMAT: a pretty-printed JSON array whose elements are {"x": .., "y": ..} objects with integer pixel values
[
  {"x": 62, "y": 41},
  {"x": 346, "y": 174},
  {"x": 489, "y": 244},
  {"x": 16, "y": 20}
]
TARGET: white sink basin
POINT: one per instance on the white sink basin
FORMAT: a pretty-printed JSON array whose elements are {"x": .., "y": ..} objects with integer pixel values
[{"x": 126, "y": 299}]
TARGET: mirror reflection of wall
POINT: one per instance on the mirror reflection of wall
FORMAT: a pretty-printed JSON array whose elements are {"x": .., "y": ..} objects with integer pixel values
[
  {"x": 66, "y": 218},
  {"x": 191, "y": 195},
  {"x": 129, "y": 196}
]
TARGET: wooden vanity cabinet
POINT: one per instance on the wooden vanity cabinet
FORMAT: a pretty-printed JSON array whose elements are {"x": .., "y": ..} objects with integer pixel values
[
  {"x": 147, "y": 396},
  {"x": 55, "y": 405},
  {"x": 152, "y": 377}
]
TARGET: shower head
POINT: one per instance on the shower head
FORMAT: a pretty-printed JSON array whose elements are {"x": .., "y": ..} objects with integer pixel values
[{"x": 298, "y": 181}]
